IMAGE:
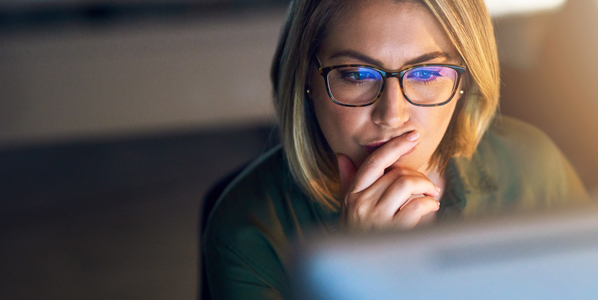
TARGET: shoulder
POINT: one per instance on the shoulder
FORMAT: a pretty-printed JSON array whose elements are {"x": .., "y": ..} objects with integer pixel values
[
  {"x": 525, "y": 168},
  {"x": 265, "y": 197},
  {"x": 255, "y": 222},
  {"x": 524, "y": 147},
  {"x": 249, "y": 235},
  {"x": 512, "y": 148},
  {"x": 265, "y": 173},
  {"x": 519, "y": 140},
  {"x": 244, "y": 240},
  {"x": 261, "y": 184}
]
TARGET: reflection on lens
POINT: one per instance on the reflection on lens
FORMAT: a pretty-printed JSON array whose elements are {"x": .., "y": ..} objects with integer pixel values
[
  {"x": 354, "y": 85},
  {"x": 429, "y": 85}
]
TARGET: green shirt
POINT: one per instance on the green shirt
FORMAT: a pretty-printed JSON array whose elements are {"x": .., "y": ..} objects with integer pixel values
[{"x": 248, "y": 239}]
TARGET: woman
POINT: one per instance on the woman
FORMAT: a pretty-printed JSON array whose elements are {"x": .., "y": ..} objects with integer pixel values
[{"x": 386, "y": 112}]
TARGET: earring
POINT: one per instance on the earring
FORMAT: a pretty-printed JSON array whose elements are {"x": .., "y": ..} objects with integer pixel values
[
  {"x": 307, "y": 91},
  {"x": 462, "y": 92}
]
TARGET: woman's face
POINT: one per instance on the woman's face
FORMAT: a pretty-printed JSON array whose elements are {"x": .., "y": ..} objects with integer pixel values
[{"x": 391, "y": 36}]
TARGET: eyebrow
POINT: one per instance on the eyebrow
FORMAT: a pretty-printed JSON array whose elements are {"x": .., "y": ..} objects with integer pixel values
[{"x": 418, "y": 60}]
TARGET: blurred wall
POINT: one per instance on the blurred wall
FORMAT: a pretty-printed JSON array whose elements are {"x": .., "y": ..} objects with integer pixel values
[
  {"x": 87, "y": 81},
  {"x": 548, "y": 63}
]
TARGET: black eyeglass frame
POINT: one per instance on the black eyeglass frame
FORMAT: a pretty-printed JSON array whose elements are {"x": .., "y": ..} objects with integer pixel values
[{"x": 386, "y": 74}]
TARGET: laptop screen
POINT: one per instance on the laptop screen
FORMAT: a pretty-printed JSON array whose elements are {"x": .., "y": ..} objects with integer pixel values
[{"x": 546, "y": 256}]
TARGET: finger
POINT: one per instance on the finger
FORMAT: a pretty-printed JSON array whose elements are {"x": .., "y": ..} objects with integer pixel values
[
  {"x": 379, "y": 188},
  {"x": 399, "y": 192},
  {"x": 374, "y": 165},
  {"x": 414, "y": 210},
  {"x": 364, "y": 205},
  {"x": 347, "y": 171}
]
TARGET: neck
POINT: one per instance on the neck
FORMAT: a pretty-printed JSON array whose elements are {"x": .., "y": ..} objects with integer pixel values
[{"x": 434, "y": 175}]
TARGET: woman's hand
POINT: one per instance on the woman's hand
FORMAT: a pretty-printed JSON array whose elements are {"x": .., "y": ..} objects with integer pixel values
[{"x": 374, "y": 197}]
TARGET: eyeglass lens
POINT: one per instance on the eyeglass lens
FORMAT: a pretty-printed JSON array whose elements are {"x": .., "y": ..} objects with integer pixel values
[{"x": 422, "y": 85}]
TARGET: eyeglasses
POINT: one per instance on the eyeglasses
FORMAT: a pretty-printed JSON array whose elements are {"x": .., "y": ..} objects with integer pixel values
[{"x": 362, "y": 85}]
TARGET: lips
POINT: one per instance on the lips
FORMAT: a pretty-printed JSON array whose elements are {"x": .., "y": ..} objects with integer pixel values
[{"x": 374, "y": 146}]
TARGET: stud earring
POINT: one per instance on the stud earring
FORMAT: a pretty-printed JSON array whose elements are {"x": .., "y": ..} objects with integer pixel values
[
  {"x": 307, "y": 91},
  {"x": 462, "y": 92}
]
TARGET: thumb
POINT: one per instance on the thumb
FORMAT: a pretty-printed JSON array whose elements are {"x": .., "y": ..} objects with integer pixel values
[{"x": 347, "y": 171}]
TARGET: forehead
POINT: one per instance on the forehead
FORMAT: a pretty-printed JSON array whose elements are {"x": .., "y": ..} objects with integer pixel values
[{"x": 388, "y": 31}]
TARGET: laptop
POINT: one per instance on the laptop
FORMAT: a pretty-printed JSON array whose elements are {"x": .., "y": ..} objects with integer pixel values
[{"x": 550, "y": 255}]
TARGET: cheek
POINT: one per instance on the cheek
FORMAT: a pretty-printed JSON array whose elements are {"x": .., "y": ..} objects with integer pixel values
[
  {"x": 336, "y": 123},
  {"x": 436, "y": 123},
  {"x": 433, "y": 123}
]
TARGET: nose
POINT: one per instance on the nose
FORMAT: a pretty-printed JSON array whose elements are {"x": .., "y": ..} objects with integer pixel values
[{"x": 391, "y": 110}]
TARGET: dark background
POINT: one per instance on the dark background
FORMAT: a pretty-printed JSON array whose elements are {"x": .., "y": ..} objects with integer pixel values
[{"x": 117, "y": 116}]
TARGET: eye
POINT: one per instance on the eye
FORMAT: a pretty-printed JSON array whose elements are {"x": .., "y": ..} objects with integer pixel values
[
  {"x": 359, "y": 75},
  {"x": 424, "y": 74}
]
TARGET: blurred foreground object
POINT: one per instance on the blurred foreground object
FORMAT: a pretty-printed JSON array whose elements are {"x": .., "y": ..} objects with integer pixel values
[{"x": 543, "y": 256}]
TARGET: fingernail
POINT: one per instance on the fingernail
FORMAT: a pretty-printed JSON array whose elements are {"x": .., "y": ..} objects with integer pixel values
[
  {"x": 437, "y": 188},
  {"x": 413, "y": 136}
]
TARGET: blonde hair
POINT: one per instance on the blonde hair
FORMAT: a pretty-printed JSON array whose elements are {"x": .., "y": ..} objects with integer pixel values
[{"x": 310, "y": 159}]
